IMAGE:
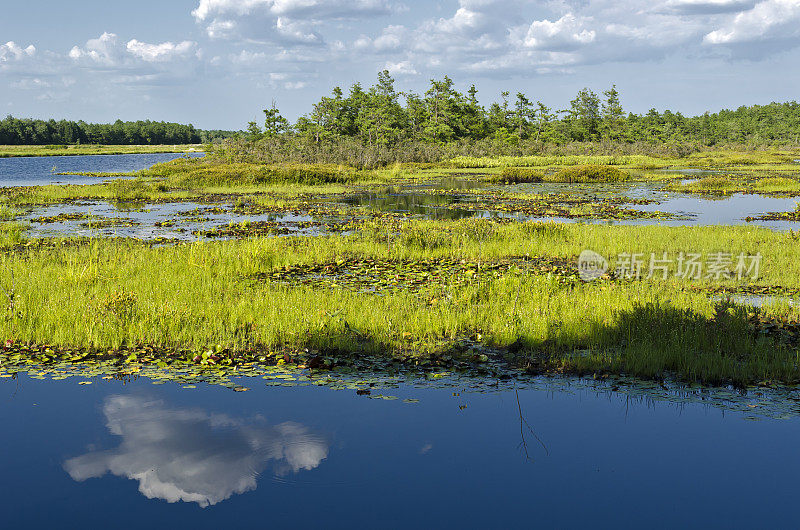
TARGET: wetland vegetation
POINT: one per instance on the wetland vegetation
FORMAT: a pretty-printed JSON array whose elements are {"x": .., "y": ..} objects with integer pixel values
[{"x": 400, "y": 235}]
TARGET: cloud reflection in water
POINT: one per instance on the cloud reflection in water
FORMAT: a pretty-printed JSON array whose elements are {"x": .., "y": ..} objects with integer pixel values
[{"x": 192, "y": 456}]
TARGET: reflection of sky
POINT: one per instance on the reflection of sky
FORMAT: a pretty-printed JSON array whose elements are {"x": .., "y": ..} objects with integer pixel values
[
  {"x": 602, "y": 447},
  {"x": 42, "y": 170},
  {"x": 192, "y": 456}
]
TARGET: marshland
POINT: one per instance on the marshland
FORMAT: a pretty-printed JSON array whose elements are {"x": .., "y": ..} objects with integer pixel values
[{"x": 375, "y": 288}]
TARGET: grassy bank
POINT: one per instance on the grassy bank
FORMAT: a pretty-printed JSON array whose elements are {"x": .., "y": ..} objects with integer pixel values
[
  {"x": 726, "y": 185},
  {"x": 185, "y": 178},
  {"x": 9, "y": 151},
  {"x": 417, "y": 291}
]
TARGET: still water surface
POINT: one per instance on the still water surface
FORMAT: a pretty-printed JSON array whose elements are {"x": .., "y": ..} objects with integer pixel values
[
  {"x": 310, "y": 457},
  {"x": 43, "y": 170}
]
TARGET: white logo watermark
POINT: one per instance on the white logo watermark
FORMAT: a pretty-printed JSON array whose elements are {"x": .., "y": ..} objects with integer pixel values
[
  {"x": 683, "y": 265},
  {"x": 591, "y": 265}
]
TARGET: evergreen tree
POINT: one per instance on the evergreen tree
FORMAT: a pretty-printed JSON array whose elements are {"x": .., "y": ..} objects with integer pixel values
[
  {"x": 523, "y": 112},
  {"x": 612, "y": 115},
  {"x": 584, "y": 116},
  {"x": 274, "y": 123}
]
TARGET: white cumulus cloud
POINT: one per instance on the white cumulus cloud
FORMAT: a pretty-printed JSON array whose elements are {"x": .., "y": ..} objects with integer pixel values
[
  {"x": 563, "y": 34},
  {"x": 283, "y": 21},
  {"x": 164, "y": 51},
  {"x": 401, "y": 68},
  {"x": 104, "y": 50},
  {"x": 10, "y": 51},
  {"x": 767, "y": 20},
  {"x": 107, "y": 50}
]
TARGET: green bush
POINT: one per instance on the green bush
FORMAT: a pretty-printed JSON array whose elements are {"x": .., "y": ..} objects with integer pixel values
[
  {"x": 716, "y": 184},
  {"x": 589, "y": 173},
  {"x": 183, "y": 173},
  {"x": 517, "y": 175},
  {"x": 776, "y": 184}
]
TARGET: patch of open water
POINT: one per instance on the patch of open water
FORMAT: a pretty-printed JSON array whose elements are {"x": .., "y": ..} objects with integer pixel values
[
  {"x": 43, "y": 170},
  {"x": 558, "y": 453},
  {"x": 692, "y": 211}
]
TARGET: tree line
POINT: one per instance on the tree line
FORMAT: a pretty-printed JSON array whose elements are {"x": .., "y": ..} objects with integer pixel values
[
  {"x": 14, "y": 131},
  {"x": 383, "y": 116}
]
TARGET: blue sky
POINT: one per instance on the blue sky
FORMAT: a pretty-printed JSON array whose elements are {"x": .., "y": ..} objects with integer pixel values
[{"x": 216, "y": 63}]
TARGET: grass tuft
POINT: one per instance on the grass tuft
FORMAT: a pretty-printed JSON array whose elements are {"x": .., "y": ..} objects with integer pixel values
[
  {"x": 590, "y": 173},
  {"x": 517, "y": 175}
]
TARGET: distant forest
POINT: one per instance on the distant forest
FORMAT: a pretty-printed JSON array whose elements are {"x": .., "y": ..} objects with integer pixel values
[
  {"x": 384, "y": 116},
  {"x": 14, "y": 131}
]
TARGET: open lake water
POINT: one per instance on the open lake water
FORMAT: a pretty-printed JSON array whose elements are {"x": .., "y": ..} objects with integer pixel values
[
  {"x": 127, "y": 455},
  {"x": 43, "y": 170}
]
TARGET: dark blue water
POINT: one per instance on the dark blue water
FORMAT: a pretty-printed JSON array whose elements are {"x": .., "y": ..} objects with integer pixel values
[
  {"x": 138, "y": 455},
  {"x": 39, "y": 171}
]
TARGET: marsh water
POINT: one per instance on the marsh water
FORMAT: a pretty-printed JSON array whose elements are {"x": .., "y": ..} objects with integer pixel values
[
  {"x": 174, "y": 221},
  {"x": 554, "y": 453},
  {"x": 461, "y": 453},
  {"x": 43, "y": 170}
]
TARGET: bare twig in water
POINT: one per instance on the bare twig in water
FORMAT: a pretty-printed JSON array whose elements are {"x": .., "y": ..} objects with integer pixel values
[{"x": 523, "y": 423}]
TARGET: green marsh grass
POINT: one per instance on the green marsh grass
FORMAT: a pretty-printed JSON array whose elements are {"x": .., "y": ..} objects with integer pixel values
[
  {"x": 716, "y": 184},
  {"x": 588, "y": 173},
  {"x": 725, "y": 185},
  {"x": 633, "y": 161},
  {"x": 183, "y": 179},
  {"x": 189, "y": 173},
  {"x": 110, "y": 293},
  {"x": 517, "y": 175},
  {"x": 776, "y": 185}
]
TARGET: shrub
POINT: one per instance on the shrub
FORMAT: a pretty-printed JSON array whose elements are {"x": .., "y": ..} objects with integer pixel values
[
  {"x": 777, "y": 183},
  {"x": 711, "y": 185},
  {"x": 517, "y": 175},
  {"x": 194, "y": 173},
  {"x": 590, "y": 173}
]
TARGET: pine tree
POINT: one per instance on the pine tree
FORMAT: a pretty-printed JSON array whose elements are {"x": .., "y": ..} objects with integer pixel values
[{"x": 612, "y": 115}]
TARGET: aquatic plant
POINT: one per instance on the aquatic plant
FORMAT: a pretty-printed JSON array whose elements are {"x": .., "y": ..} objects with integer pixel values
[
  {"x": 517, "y": 175},
  {"x": 638, "y": 161},
  {"x": 588, "y": 173},
  {"x": 714, "y": 184},
  {"x": 776, "y": 185}
]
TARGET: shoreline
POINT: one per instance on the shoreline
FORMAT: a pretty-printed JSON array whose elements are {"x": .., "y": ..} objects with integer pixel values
[{"x": 33, "y": 151}]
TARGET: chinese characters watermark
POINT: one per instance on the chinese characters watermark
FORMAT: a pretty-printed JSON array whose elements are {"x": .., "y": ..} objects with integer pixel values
[{"x": 682, "y": 265}]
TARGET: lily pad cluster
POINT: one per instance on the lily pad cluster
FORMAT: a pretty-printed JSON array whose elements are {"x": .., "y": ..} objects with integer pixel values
[
  {"x": 375, "y": 274},
  {"x": 62, "y": 217},
  {"x": 380, "y": 381},
  {"x": 106, "y": 222},
  {"x": 272, "y": 228}
]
